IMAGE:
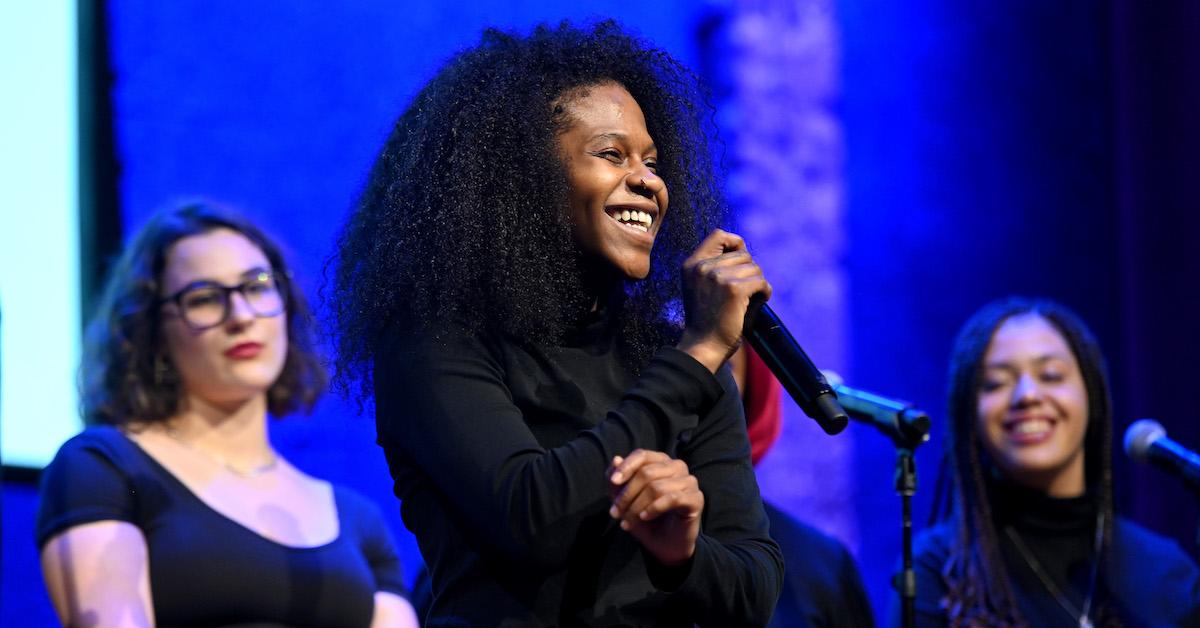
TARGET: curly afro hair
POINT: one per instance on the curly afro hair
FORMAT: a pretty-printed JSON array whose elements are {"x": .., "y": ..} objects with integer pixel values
[{"x": 464, "y": 216}]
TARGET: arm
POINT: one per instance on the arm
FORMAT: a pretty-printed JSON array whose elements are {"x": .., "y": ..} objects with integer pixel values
[
  {"x": 392, "y": 608},
  {"x": 705, "y": 531},
  {"x": 659, "y": 503},
  {"x": 393, "y": 611},
  {"x": 444, "y": 406},
  {"x": 931, "y": 550},
  {"x": 94, "y": 558},
  {"x": 97, "y": 575},
  {"x": 736, "y": 573}
]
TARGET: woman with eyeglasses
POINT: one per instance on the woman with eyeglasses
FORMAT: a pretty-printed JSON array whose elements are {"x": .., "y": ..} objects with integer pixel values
[{"x": 173, "y": 508}]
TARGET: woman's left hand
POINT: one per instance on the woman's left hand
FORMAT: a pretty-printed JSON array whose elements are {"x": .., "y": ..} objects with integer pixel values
[{"x": 659, "y": 502}]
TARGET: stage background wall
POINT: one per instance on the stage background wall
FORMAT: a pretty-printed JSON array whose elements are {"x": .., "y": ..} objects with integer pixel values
[{"x": 935, "y": 156}]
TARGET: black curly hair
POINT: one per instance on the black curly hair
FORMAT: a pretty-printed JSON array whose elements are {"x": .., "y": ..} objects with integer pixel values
[
  {"x": 979, "y": 588},
  {"x": 465, "y": 217},
  {"x": 126, "y": 376}
]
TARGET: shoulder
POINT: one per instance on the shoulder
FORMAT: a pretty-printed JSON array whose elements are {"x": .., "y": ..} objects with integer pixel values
[
  {"x": 1153, "y": 577},
  {"x": 1135, "y": 543},
  {"x": 408, "y": 354},
  {"x": 935, "y": 540},
  {"x": 818, "y": 559},
  {"x": 790, "y": 532},
  {"x": 92, "y": 478},
  {"x": 358, "y": 513},
  {"x": 448, "y": 335},
  {"x": 1133, "y": 534},
  {"x": 932, "y": 548},
  {"x": 353, "y": 504},
  {"x": 362, "y": 522},
  {"x": 94, "y": 444},
  {"x": 106, "y": 436}
]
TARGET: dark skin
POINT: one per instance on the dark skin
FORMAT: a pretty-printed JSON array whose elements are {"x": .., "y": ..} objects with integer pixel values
[{"x": 611, "y": 166}]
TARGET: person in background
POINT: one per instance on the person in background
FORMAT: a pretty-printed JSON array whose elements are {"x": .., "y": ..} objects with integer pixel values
[
  {"x": 173, "y": 508},
  {"x": 822, "y": 586},
  {"x": 1032, "y": 538},
  {"x": 509, "y": 288}
]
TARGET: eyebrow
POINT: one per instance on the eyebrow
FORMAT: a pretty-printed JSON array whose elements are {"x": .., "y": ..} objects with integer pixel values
[
  {"x": 245, "y": 276},
  {"x": 615, "y": 135},
  {"x": 255, "y": 270},
  {"x": 1041, "y": 359}
]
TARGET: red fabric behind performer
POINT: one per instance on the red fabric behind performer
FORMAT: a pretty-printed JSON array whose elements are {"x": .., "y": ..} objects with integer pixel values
[
  {"x": 822, "y": 586},
  {"x": 761, "y": 401}
]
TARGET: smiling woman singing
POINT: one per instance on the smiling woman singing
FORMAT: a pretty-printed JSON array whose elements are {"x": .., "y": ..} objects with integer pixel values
[{"x": 565, "y": 452}]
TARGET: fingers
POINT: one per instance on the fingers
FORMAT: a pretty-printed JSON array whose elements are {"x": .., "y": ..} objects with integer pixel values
[
  {"x": 650, "y": 483},
  {"x": 688, "y": 504},
  {"x": 622, "y": 469},
  {"x": 723, "y": 260},
  {"x": 735, "y": 272},
  {"x": 680, "y": 496},
  {"x": 717, "y": 243}
]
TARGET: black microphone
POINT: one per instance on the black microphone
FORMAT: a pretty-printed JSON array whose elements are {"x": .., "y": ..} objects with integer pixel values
[
  {"x": 898, "y": 420},
  {"x": 791, "y": 366},
  {"x": 1146, "y": 441}
]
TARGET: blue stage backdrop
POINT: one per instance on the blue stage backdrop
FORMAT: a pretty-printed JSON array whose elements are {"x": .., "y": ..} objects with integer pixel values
[{"x": 893, "y": 166}]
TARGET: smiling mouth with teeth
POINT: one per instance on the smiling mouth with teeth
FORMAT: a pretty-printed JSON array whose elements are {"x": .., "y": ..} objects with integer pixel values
[
  {"x": 1032, "y": 426},
  {"x": 633, "y": 219}
]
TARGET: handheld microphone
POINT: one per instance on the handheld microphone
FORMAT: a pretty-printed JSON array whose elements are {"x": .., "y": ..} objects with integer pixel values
[
  {"x": 792, "y": 367},
  {"x": 1146, "y": 441},
  {"x": 900, "y": 421}
]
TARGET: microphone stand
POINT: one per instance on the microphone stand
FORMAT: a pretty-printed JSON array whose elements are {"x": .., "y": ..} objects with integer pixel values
[
  {"x": 907, "y": 427},
  {"x": 905, "y": 582},
  {"x": 905, "y": 436}
]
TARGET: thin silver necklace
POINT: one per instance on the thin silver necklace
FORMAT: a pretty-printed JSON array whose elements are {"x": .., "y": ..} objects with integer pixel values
[
  {"x": 252, "y": 472},
  {"x": 1084, "y": 620}
]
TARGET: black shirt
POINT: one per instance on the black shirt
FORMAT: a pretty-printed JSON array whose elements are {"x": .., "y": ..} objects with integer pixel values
[
  {"x": 822, "y": 586},
  {"x": 498, "y": 451},
  {"x": 206, "y": 569},
  {"x": 1149, "y": 580}
]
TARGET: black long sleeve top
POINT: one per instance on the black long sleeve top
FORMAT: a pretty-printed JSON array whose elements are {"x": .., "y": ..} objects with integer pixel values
[
  {"x": 498, "y": 451},
  {"x": 823, "y": 587},
  {"x": 1148, "y": 580}
]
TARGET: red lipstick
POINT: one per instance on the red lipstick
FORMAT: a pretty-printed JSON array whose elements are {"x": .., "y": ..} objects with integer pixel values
[{"x": 243, "y": 350}]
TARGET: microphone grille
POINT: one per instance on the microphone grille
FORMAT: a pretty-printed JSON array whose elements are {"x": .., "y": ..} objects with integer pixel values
[{"x": 1140, "y": 436}]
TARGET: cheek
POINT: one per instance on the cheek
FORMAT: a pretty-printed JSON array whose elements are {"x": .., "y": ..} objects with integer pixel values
[
  {"x": 187, "y": 352},
  {"x": 280, "y": 341},
  {"x": 990, "y": 411},
  {"x": 1078, "y": 409},
  {"x": 1079, "y": 402}
]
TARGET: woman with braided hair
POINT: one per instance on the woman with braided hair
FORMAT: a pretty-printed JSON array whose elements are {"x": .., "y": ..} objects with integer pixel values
[
  {"x": 1032, "y": 538},
  {"x": 508, "y": 290}
]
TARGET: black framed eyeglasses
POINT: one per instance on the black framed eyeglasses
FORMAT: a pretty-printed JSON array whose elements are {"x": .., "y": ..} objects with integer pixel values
[{"x": 206, "y": 304}]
